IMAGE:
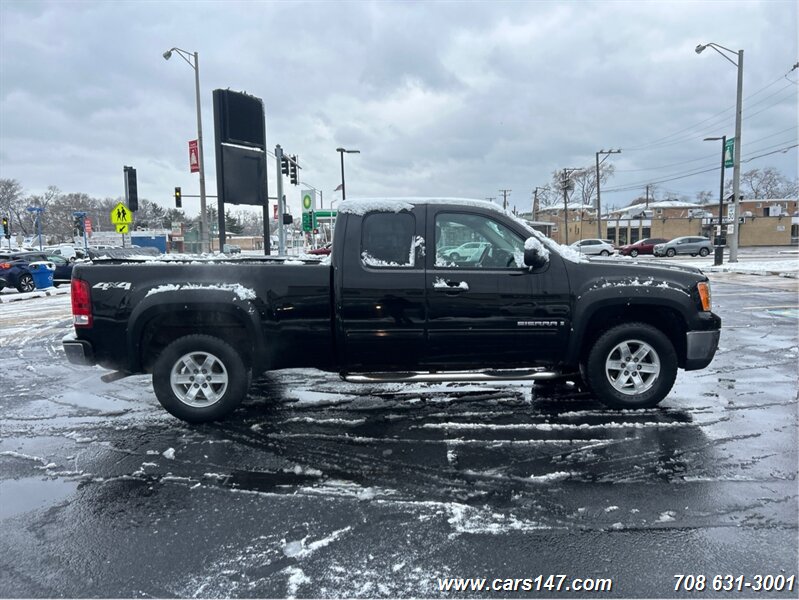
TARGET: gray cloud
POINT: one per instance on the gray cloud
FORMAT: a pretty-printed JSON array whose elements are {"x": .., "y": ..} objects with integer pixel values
[{"x": 455, "y": 98}]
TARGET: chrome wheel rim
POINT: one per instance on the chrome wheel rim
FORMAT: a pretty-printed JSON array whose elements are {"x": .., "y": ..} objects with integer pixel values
[
  {"x": 27, "y": 284},
  {"x": 199, "y": 379},
  {"x": 632, "y": 367}
]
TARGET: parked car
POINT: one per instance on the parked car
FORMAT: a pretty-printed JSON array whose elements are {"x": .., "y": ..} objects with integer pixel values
[
  {"x": 14, "y": 271},
  {"x": 645, "y": 246},
  {"x": 692, "y": 245},
  {"x": 67, "y": 251},
  {"x": 231, "y": 249},
  {"x": 322, "y": 250},
  {"x": 468, "y": 252},
  {"x": 594, "y": 247}
]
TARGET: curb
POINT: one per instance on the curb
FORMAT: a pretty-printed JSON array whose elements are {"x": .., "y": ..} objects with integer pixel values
[{"x": 51, "y": 291}]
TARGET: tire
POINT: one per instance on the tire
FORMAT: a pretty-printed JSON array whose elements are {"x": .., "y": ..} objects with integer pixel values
[
  {"x": 656, "y": 366},
  {"x": 604, "y": 253},
  {"x": 633, "y": 253},
  {"x": 671, "y": 252},
  {"x": 179, "y": 392},
  {"x": 703, "y": 252},
  {"x": 25, "y": 283},
  {"x": 455, "y": 256}
]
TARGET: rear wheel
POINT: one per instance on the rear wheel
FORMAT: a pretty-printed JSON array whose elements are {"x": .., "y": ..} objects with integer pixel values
[
  {"x": 703, "y": 252},
  {"x": 200, "y": 378},
  {"x": 632, "y": 366},
  {"x": 25, "y": 283},
  {"x": 671, "y": 252}
]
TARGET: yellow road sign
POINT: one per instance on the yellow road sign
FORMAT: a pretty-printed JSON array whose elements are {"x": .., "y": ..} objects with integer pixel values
[
  {"x": 121, "y": 214},
  {"x": 122, "y": 227}
]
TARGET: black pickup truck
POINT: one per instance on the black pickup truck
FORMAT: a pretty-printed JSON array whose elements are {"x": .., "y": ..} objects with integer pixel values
[{"x": 414, "y": 290}]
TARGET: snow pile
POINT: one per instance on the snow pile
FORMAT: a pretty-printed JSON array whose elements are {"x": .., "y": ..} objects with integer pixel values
[
  {"x": 532, "y": 243},
  {"x": 783, "y": 268},
  {"x": 244, "y": 293},
  {"x": 361, "y": 207}
]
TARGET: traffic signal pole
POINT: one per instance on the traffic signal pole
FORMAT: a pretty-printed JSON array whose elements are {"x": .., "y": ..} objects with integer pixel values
[{"x": 281, "y": 233}]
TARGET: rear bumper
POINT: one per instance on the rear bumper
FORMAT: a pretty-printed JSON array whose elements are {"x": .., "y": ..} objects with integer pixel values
[
  {"x": 700, "y": 348},
  {"x": 79, "y": 352}
]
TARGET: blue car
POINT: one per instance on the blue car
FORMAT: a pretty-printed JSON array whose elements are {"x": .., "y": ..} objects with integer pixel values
[{"x": 14, "y": 270}]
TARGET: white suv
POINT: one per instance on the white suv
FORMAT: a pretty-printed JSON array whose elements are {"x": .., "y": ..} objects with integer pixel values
[{"x": 594, "y": 247}]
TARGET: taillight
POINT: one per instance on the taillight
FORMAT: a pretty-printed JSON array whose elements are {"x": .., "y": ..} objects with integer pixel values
[
  {"x": 5, "y": 265},
  {"x": 704, "y": 294},
  {"x": 81, "y": 303}
]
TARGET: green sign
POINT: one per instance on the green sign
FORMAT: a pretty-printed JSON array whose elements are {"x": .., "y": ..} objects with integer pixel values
[
  {"x": 729, "y": 153},
  {"x": 306, "y": 201},
  {"x": 325, "y": 213},
  {"x": 308, "y": 221}
]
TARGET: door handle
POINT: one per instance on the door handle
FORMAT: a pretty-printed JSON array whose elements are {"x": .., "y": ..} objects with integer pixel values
[{"x": 451, "y": 287}]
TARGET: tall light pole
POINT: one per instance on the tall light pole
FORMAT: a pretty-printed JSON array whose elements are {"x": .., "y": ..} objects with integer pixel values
[
  {"x": 342, "y": 151},
  {"x": 188, "y": 56},
  {"x": 718, "y": 257},
  {"x": 736, "y": 168},
  {"x": 598, "y": 181}
]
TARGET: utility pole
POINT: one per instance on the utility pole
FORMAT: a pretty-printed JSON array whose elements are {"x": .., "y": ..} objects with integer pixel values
[
  {"x": 505, "y": 198},
  {"x": 535, "y": 201},
  {"x": 598, "y": 182},
  {"x": 565, "y": 181},
  {"x": 491, "y": 198},
  {"x": 647, "y": 196}
]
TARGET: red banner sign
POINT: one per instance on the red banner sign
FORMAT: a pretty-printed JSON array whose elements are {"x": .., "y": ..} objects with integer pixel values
[
  {"x": 194, "y": 157},
  {"x": 87, "y": 224}
]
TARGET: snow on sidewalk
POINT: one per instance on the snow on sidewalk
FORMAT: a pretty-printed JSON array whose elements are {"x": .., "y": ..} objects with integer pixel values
[{"x": 51, "y": 291}]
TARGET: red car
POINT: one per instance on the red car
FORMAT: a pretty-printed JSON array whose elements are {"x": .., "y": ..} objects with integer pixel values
[
  {"x": 645, "y": 246},
  {"x": 322, "y": 250}
]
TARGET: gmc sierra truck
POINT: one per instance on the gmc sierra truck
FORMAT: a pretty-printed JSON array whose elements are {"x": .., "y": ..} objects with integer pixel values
[{"x": 394, "y": 302}]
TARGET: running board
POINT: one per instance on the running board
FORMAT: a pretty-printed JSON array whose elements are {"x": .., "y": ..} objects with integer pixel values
[{"x": 456, "y": 376}]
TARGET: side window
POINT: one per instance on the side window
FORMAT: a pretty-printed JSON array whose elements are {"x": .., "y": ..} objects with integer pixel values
[
  {"x": 471, "y": 241},
  {"x": 387, "y": 240}
]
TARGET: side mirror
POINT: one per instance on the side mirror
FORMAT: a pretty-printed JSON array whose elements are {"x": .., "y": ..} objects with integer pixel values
[{"x": 535, "y": 254}]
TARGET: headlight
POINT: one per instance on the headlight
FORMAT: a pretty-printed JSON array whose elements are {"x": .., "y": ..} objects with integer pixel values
[{"x": 704, "y": 294}]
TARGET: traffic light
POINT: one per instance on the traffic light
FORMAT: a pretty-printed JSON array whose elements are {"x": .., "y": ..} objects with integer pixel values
[
  {"x": 178, "y": 199},
  {"x": 6, "y": 228},
  {"x": 293, "y": 169},
  {"x": 284, "y": 165},
  {"x": 131, "y": 189},
  {"x": 78, "y": 226}
]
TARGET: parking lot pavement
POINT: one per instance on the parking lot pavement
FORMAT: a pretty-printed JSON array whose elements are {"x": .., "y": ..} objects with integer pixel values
[{"x": 322, "y": 488}]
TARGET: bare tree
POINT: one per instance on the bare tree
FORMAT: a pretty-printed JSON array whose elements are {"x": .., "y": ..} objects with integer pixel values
[
  {"x": 705, "y": 197},
  {"x": 766, "y": 183},
  {"x": 12, "y": 201}
]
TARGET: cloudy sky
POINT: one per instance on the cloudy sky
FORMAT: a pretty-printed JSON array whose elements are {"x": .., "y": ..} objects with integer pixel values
[{"x": 441, "y": 98}]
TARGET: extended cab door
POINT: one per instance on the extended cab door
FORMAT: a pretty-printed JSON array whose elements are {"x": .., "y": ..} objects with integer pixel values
[
  {"x": 488, "y": 309},
  {"x": 380, "y": 291}
]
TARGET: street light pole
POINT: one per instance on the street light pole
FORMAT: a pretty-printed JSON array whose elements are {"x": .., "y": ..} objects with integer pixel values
[
  {"x": 598, "y": 181},
  {"x": 341, "y": 151},
  {"x": 204, "y": 240},
  {"x": 718, "y": 256},
  {"x": 566, "y": 181},
  {"x": 736, "y": 169}
]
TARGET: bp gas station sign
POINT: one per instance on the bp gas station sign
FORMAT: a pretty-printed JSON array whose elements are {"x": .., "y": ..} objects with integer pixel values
[{"x": 308, "y": 210}]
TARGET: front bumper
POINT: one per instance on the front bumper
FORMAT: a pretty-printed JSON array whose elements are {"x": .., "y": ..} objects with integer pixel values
[
  {"x": 79, "y": 352},
  {"x": 700, "y": 347}
]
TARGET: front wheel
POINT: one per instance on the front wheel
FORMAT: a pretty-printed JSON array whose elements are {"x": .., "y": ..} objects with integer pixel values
[
  {"x": 632, "y": 366},
  {"x": 633, "y": 253},
  {"x": 200, "y": 378},
  {"x": 604, "y": 253},
  {"x": 703, "y": 252},
  {"x": 671, "y": 252}
]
